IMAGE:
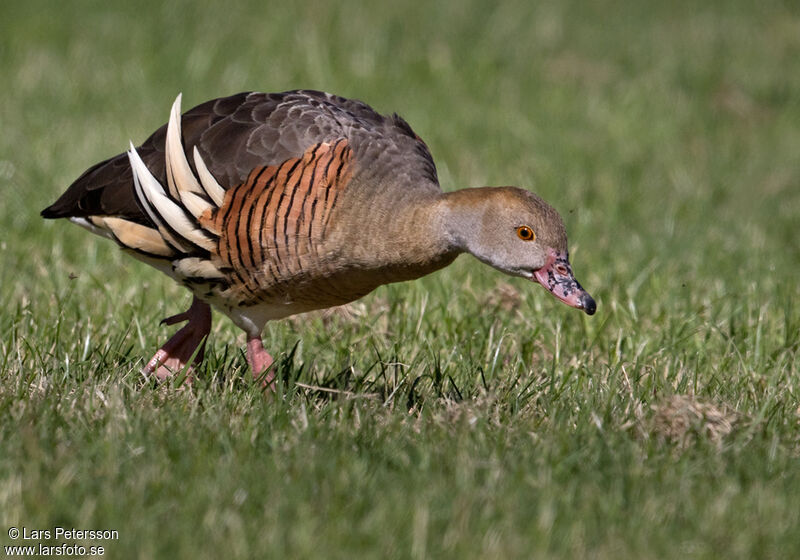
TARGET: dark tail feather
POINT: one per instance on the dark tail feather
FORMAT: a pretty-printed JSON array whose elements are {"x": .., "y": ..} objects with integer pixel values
[
  {"x": 50, "y": 212},
  {"x": 105, "y": 189}
]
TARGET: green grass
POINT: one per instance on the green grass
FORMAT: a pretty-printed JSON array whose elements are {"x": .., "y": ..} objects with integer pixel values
[{"x": 466, "y": 415}]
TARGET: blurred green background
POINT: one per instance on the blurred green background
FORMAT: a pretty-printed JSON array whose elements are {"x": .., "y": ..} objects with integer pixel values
[{"x": 466, "y": 414}]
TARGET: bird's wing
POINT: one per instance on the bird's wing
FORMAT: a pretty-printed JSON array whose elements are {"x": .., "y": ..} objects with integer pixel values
[{"x": 237, "y": 134}]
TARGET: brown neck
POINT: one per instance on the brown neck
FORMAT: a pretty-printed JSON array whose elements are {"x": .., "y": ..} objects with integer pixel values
[
  {"x": 400, "y": 240},
  {"x": 462, "y": 212}
]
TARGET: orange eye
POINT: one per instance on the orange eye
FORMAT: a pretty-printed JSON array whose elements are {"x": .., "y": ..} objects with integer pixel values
[{"x": 525, "y": 233}]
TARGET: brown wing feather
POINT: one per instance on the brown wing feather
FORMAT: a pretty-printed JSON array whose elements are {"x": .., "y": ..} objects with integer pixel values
[
  {"x": 237, "y": 134},
  {"x": 106, "y": 188}
]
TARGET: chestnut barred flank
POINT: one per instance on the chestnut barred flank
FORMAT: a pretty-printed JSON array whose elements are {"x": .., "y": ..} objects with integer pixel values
[{"x": 273, "y": 224}]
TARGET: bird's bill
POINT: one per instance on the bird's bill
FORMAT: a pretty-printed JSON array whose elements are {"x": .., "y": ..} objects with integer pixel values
[{"x": 557, "y": 277}]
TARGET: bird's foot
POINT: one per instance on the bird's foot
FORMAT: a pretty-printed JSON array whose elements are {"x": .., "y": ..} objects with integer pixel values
[
  {"x": 260, "y": 361},
  {"x": 188, "y": 342}
]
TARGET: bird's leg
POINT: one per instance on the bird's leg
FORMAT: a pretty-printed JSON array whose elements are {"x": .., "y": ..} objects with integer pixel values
[
  {"x": 176, "y": 353},
  {"x": 259, "y": 361}
]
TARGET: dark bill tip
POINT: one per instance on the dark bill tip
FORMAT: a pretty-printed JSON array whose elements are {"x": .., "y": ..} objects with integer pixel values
[{"x": 588, "y": 304}]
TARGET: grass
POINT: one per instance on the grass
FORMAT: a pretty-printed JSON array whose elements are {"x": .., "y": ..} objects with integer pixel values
[{"x": 465, "y": 415}]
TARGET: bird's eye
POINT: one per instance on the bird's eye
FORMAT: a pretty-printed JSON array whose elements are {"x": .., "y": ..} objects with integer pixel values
[{"x": 525, "y": 233}]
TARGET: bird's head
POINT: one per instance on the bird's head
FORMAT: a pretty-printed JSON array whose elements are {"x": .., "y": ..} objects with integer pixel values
[{"x": 516, "y": 232}]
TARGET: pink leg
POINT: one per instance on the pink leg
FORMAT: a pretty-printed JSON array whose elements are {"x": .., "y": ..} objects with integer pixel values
[
  {"x": 259, "y": 361},
  {"x": 176, "y": 353}
]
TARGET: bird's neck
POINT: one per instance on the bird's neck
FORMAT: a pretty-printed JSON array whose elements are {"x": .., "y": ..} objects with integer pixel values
[
  {"x": 435, "y": 227},
  {"x": 462, "y": 214},
  {"x": 405, "y": 239}
]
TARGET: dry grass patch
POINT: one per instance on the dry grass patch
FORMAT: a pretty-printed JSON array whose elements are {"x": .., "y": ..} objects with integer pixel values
[{"x": 682, "y": 419}]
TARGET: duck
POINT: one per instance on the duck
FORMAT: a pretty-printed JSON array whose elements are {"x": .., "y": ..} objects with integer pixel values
[{"x": 266, "y": 205}]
